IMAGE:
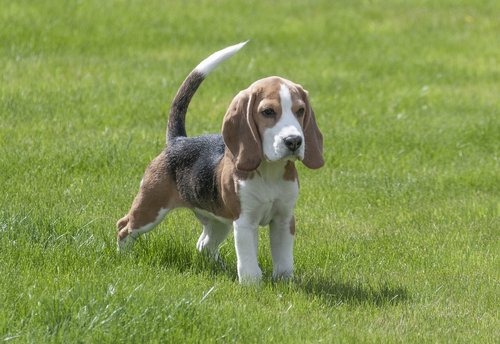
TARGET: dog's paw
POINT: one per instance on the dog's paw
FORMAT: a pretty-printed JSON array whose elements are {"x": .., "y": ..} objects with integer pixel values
[
  {"x": 283, "y": 275},
  {"x": 125, "y": 245},
  {"x": 250, "y": 276},
  {"x": 124, "y": 240}
]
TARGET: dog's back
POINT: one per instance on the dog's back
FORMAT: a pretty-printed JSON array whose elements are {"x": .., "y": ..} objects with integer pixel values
[{"x": 192, "y": 164}]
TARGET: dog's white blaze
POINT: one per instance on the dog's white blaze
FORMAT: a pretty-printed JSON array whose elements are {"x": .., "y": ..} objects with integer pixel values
[
  {"x": 273, "y": 139},
  {"x": 286, "y": 99},
  {"x": 208, "y": 64}
]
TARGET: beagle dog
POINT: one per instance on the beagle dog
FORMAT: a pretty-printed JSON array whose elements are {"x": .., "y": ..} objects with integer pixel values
[{"x": 244, "y": 178}]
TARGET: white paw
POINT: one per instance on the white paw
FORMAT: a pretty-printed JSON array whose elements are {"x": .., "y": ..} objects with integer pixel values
[
  {"x": 250, "y": 276},
  {"x": 201, "y": 242},
  {"x": 125, "y": 244},
  {"x": 283, "y": 274}
]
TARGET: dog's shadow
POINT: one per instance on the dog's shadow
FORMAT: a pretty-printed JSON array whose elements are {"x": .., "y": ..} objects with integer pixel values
[
  {"x": 335, "y": 292},
  {"x": 330, "y": 290}
]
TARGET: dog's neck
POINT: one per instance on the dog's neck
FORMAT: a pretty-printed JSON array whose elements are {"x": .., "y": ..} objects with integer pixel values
[{"x": 273, "y": 170}]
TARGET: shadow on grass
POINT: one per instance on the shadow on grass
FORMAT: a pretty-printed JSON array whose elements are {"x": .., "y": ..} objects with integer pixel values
[
  {"x": 336, "y": 293},
  {"x": 184, "y": 258},
  {"x": 330, "y": 290}
]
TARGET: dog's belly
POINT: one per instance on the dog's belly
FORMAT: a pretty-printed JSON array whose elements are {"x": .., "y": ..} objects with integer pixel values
[{"x": 211, "y": 216}]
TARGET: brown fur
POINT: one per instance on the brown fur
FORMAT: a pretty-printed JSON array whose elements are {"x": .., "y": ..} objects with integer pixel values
[
  {"x": 313, "y": 157},
  {"x": 290, "y": 172},
  {"x": 228, "y": 190},
  {"x": 240, "y": 133},
  {"x": 157, "y": 191},
  {"x": 292, "y": 226}
]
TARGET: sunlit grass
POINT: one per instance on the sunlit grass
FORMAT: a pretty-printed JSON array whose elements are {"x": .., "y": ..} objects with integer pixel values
[{"x": 397, "y": 236}]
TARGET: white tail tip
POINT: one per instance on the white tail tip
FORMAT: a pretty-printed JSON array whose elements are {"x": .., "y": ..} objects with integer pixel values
[{"x": 208, "y": 64}]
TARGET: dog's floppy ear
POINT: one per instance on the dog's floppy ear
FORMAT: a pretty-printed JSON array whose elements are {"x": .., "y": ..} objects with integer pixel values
[
  {"x": 313, "y": 155},
  {"x": 240, "y": 132}
]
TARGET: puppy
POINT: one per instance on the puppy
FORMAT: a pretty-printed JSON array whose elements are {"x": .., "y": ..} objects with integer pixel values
[{"x": 244, "y": 178}]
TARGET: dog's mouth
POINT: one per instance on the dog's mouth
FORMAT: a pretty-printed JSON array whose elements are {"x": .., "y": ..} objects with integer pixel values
[
  {"x": 294, "y": 155},
  {"x": 289, "y": 156}
]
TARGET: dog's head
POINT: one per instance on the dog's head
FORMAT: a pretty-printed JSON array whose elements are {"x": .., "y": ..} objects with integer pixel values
[{"x": 272, "y": 120}]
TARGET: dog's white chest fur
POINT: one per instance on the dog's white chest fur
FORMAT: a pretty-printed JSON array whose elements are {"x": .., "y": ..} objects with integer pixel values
[{"x": 267, "y": 195}]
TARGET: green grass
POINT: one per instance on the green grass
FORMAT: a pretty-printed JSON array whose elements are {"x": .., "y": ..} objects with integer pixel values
[{"x": 397, "y": 236}]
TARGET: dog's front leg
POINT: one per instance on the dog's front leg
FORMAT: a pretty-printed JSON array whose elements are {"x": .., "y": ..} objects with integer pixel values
[
  {"x": 246, "y": 242},
  {"x": 282, "y": 237}
]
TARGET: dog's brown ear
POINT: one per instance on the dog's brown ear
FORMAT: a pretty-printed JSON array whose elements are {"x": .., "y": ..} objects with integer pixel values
[
  {"x": 240, "y": 133},
  {"x": 313, "y": 155}
]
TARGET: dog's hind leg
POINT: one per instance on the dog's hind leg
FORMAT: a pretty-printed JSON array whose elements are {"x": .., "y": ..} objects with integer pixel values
[
  {"x": 157, "y": 195},
  {"x": 129, "y": 227},
  {"x": 214, "y": 233}
]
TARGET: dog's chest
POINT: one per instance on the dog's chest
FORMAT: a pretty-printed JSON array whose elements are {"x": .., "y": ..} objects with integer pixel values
[{"x": 264, "y": 199}]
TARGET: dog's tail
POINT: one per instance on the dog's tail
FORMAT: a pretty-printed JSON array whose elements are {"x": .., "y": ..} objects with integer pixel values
[{"x": 177, "y": 118}]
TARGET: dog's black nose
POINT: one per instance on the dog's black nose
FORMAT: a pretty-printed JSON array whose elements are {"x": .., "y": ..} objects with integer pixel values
[{"x": 293, "y": 142}]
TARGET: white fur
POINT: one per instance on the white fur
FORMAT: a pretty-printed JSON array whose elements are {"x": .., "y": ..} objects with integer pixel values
[
  {"x": 208, "y": 64},
  {"x": 128, "y": 241},
  {"x": 215, "y": 231},
  {"x": 211, "y": 216},
  {"x": 266, "y": 199},
  {"x": 273, "y": 138}
]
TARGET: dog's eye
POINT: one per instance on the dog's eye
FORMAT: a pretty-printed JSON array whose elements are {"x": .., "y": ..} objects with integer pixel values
[
  {"x": 300, "y": 112},
  {"x": 268, "y": 112}
]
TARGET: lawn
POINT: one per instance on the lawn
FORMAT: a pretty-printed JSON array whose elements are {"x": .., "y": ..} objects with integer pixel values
[{"x": 397, "y": 235}]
